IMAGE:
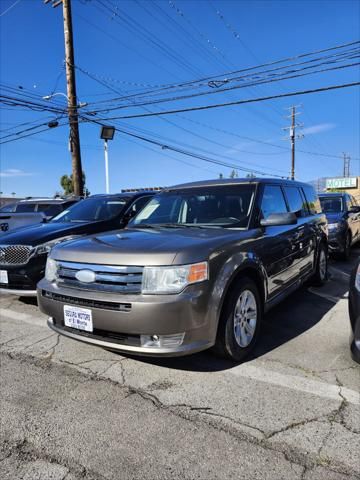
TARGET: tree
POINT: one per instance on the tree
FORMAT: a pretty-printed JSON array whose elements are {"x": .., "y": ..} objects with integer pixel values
[
  {"x": 66, "y": 181},
  {"x": 234, "y": 174}
]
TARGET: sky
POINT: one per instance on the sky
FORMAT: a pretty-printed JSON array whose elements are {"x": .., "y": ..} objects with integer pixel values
[{"x": 172, "y": 42}]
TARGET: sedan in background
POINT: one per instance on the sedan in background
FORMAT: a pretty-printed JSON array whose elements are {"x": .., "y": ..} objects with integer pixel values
[
  {"x": 354, "y": 310},
  {"x": 23, "y": 252}
]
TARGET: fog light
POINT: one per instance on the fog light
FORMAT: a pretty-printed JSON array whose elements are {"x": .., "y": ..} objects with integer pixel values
[{"x": 162, "y": 341}]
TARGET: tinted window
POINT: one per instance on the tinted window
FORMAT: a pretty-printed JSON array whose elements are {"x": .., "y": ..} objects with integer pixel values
[
  {"x": 332, "y": 204},
  {"x": 25, "y": 207},
  {"x": 138, "y": 205},
  {"x": 207, "y": 206},
  {"x": 50, "y": 210},
  {"x": 92, "y": 209},
  {"x": 312, "y": 200},
  {"x": 273, "y": 201},
  {"x": 295, "y": 201},
  {"x": 10, "y": 207}
]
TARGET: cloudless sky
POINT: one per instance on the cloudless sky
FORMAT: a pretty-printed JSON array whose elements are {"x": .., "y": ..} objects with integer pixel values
[{"x": 32, "y": 55}]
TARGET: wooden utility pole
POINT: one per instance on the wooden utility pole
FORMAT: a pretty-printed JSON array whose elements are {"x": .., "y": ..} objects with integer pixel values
[
  {"x": 346, "y": 165},
  {"x": 74, "y": 143},
  {"x": 292, "y": 140},
  {"x": 293, "y": 137}
]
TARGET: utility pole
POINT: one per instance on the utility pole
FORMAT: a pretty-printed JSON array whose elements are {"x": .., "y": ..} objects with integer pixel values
[
  {"x": 293, "y": 137},
  {"x": 347, "y": 159},
  {"x": 74, "y": 143}
]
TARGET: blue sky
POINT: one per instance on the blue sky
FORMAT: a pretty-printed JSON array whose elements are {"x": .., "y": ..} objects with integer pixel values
[{"x": 32, "y": 53}]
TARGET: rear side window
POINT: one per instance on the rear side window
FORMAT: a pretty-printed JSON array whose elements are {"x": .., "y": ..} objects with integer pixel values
[
  {"x": 312, "y": 200},
  {"x": 273, "y": 201},
  {"x": 25, "y": 207},
  {"x": 296, "y": 202}
]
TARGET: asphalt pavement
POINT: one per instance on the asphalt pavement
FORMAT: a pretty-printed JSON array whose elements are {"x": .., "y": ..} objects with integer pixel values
[{"x": 292, "y": 411}]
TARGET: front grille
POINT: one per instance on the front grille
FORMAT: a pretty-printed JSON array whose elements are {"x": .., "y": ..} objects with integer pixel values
[
  {"x": 15, "y": 254},
  {"x": 84, "y": 302},
  {"x": 113, "y": 279}
]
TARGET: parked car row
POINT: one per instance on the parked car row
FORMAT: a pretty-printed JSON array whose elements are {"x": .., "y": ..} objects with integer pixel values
[
  {"x": 31, "y": 211},
  {"x": 197, "y": 266}
]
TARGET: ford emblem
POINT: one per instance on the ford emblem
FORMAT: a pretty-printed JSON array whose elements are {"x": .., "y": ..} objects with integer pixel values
[{"x": 85, "y": 276}]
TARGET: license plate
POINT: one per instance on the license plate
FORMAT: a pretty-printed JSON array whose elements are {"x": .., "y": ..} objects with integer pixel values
[
  {"x": 4, "y": 276},
  {"x": 80, "y": 318}
]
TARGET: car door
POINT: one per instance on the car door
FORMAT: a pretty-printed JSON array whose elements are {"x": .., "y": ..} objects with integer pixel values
[
  {"x": 303, "y": 237},
  {"x": 277, "y": 245},
  {"x": 352, "y": 217},
  {"x": 356, "y": 209}
]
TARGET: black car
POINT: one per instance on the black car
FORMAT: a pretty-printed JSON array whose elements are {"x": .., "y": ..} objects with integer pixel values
[
  {"x": 343, "y": 215},
  {"x": 354, "y": 310},
  {"x": 23, "y": 252}
]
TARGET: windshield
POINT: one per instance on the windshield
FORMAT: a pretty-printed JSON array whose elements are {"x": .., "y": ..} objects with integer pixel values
[
  {"x": 92, "y": 210},
  {"x": 207, "y": 206},
  {"x": 332, "y": 204}
]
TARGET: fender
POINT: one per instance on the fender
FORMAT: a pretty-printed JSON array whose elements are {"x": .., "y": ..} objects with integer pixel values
[{"x": 232, "y": 267}]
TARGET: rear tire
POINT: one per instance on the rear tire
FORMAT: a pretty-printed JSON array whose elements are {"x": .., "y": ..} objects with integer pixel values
[
  {"x": 240, "y": 321},
  {"x": 321, "y": 272}
]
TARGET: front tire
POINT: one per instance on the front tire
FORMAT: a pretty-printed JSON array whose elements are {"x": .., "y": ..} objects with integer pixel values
[
  {"x": 240, "y": 321},
  {"x": 345, "y": 255},
  {"x": 321, "y": 272}
]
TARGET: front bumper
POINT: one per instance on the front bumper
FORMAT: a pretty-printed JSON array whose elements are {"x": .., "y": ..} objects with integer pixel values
[
  {"x": 354, "y": 310},
  {"x": 120, "y": 320},
  {"x": 18, "y": 292},
  {"x": 336, "y": 241},
  {"x": 24, "y": 278}
]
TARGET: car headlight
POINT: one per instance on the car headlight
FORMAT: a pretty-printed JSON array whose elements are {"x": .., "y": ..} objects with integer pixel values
[
  {"x": 51, "y": 269},
  {"x": 357, "y": 279},
  {"x": 334, "y": 226},
  {"x": 162, "y": 280},
  {"x": 46, "y": 247}
]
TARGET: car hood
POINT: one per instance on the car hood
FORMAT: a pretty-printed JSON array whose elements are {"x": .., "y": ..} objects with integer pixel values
[
  {"x": 160, "y": 246},
  {"x": 334, "y": 217},
  {"x": 41, "y": 233}
]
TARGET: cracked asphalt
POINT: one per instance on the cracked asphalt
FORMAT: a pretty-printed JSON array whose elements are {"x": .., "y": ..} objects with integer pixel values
[{"x": 72, "y": 411}]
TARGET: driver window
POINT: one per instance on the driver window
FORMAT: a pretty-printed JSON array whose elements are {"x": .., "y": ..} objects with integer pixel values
[{"x": 273, "y": 201}]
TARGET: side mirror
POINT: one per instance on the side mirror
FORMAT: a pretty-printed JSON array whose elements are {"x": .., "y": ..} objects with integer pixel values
[
  {"x": 354, "y": 209},
  {"x": 278, "y": 219}
]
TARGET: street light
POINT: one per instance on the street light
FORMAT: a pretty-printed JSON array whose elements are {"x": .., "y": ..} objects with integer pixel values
[
  {"x": 49, "y": 97},
  {"x": 107, "y": 133}
]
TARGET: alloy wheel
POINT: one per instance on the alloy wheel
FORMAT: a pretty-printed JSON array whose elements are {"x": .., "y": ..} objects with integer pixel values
[{"x": 245, "y": 318}]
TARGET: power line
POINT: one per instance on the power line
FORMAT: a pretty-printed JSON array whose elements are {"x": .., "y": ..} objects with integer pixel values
[
  {"x": 10, "y": 8},
  {"x": 256, "y": 67},
  {"x": 239, "y": 102},
  {"x": 195, "y": 95}
]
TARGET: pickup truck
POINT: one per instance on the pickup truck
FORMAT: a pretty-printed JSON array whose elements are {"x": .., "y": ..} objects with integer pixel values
[{"x": 30, "y": 211}]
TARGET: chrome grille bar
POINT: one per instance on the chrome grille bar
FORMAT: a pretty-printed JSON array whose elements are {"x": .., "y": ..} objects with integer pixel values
[{"x": 121, "y": 279}]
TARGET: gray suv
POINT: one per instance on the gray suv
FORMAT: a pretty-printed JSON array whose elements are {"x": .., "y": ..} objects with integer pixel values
[{"x": 198, "y": 267}]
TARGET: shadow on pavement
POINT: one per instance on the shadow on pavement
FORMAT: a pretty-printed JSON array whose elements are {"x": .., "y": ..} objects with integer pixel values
[{"x": 300, "y": 312}]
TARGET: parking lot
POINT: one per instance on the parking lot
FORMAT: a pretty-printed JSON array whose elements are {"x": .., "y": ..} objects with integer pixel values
[{"x": 292, "y": 411}]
